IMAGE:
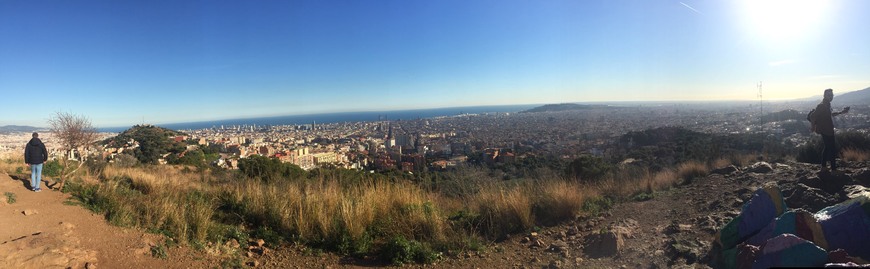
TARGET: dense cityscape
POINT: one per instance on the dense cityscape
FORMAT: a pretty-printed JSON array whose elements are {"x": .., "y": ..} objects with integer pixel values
[{"x": 441, "y": 142}]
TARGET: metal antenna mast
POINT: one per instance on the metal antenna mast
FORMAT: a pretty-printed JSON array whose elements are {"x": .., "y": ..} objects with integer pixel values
[{"x": 761, "y": 120}]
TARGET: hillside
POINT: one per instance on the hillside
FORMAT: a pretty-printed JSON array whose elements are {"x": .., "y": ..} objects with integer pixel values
[
  {"x": 671, "y": 228},
  {"x": 147, "y": 142},
  {"x": 562, "y": 107},
  {"x": 855, "y": 98}
]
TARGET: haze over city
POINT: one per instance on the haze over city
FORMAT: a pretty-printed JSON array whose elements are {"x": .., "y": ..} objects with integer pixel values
[{"x": 120, "y": 63}]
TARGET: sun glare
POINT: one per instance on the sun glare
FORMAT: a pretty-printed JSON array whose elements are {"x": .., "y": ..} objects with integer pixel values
[{"x": 784, "y": 20}]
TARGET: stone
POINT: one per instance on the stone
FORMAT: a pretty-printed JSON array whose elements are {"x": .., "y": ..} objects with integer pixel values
[
  {"x": 29, "y": 212},
  {"x": 853, "y": 191},
  {"x": 558, "y": 246},
  {"x": 725, "y": 170},
  {"x": 691, "y": 249},
  {"x": 525, "y": 240},
  {"x": 533, "y": 235},
  {"x": 555, "y": 265},
  {"x": 604, "y": 244},
  {"x": 862, "y": 175},
  {"x": 806, "y": 197},
  {"x": 261, "y": 242},
  {"x": 572, "y": 230},
  {"x": 537, "y": 243},
  {"x": 761, "y": 168},
  {"x": 233, "y": 243},
  {"x": 89, "y": 265}
]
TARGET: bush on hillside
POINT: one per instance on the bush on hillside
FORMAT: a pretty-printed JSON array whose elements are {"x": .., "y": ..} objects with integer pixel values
[{"x": 268, "y": 169}]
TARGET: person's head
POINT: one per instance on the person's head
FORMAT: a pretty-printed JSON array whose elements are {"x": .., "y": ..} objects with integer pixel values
[
  {"x": 829, "y": 95},
  {"x": 35, "y": 135}
]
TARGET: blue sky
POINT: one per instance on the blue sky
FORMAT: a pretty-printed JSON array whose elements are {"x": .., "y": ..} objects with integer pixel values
[{"x": 118, "y": 62}]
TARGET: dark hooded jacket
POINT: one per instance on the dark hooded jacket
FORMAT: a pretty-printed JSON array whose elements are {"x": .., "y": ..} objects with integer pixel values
[{"x": 35, "y": 152}]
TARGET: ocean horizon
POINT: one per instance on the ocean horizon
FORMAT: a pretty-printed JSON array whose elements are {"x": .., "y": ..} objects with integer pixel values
[{"x": 338, "y": 117}]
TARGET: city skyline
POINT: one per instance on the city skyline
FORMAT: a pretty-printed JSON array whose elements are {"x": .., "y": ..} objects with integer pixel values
[{"x": 171, "y": 61}]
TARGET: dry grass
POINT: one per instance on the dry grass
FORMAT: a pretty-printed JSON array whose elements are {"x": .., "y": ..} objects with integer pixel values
[
  {"x": 151, "y": 179},
  {"x": 337, "y": 210},
  {"x": 690, "y": 170},
  {"x": 9, "y": 166},
  {"x": 855, "y": 155}
]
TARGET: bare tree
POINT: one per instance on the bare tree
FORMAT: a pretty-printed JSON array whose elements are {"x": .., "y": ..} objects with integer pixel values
[{"x": 75, "y": 134}]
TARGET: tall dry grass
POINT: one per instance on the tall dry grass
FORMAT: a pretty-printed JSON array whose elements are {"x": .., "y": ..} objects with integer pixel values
[
  {"x": 690, "y": 170},
  {"x": 855, "y": 155},
  {"x": 355, "y": 214}
]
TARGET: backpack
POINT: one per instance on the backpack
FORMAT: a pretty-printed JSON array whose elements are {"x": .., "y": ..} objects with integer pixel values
[{"x": 812, "y": 119}]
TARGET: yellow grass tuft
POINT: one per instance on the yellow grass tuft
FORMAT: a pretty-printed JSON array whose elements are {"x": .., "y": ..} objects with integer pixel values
[{"x": 855, "y": 155}]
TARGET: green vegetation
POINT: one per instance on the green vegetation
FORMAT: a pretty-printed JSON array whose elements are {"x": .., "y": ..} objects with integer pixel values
[
  {"x": 153, "y": 142},
  {"x": 10, "y": 197},
  {"x": 812, "y": 151}
]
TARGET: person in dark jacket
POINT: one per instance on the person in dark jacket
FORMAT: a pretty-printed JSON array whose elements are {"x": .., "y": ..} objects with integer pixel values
[
  {"x": 35, "y": 155},
  {"x": 823, "y": 124}
]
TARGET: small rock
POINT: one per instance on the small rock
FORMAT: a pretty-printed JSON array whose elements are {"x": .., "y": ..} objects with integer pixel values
[
  {"x": 261, "y": 242},
  {"x": 533, "y": 235},
  {"x": 89, "y": 265},
  {"x": 249, "y": 254},
  {"x": 29, "y": 212},
  {"x": 524, "y": 240},
  {"x": 725, "y": 170},
  {"x": 555, "y": 265},
  {"x": 572, "y": 230},
  {"x": 537, "y": 243},
  {"x": 558, "y": 246},
  {"x": 761, "y": 168}
]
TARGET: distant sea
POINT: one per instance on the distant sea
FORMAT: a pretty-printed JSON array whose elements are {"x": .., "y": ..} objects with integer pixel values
[{"x": 338, "y": 117}]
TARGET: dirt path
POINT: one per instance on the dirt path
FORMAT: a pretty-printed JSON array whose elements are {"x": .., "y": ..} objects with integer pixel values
[{"x": 39, "y": 230}]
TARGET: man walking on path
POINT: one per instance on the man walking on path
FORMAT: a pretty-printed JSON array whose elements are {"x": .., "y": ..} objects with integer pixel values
[
  {"x": 823, "y": 124},
  {"x": 35, "y": 155}
]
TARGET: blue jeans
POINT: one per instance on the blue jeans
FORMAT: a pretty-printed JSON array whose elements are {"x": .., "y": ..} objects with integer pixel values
[{"x": 35, "y": 176}]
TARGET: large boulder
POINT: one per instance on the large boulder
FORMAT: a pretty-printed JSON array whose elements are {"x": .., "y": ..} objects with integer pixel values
[
  {"x": 862, "y": 176},
  {"x": 808, "y": 198},
  {"x": 604, "y": 244}
]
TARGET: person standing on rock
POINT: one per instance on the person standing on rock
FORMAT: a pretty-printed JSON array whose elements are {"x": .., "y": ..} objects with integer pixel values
[
  {"x": 823, "y": 124},
  {"x": 35, "y": 155}
]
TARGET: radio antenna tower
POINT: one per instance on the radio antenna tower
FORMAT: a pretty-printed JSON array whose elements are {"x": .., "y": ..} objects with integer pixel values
[{"x": 761, "y": 121}]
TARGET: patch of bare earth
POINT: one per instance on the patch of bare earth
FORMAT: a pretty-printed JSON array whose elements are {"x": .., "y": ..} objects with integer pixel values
[{"x": 39, "y": 230}]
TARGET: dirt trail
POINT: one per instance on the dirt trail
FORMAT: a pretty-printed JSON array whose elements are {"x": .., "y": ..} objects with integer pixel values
[{"x": 39, "y": 231}]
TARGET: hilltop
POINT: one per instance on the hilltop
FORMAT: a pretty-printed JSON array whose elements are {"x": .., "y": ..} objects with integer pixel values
[{"x": 563, "y": 107}]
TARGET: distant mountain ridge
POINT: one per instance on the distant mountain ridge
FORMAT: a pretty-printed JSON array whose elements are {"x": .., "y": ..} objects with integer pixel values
[
  {"x": 563, "y": 107},
  {"x": 859, "y": 97},
  {"x": 19, "y": 128}
]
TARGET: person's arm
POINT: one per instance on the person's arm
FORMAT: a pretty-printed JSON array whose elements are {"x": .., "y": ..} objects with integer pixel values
[
  {"x": 44, "y": 154},
  {"x": 844, "y": 111}
]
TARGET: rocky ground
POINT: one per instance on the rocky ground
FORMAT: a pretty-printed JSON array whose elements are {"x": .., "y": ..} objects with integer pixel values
[{"x": 673, "y": 229}]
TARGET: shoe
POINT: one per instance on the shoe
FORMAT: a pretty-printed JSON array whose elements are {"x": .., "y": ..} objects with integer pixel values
[{"x": 37, "y": 190}]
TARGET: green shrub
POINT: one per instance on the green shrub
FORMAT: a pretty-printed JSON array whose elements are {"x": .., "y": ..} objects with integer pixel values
[
  {"x": 588, "y": 168},
  {"x": 52, "y": 168},
  {"x": 10, "y": 197},
  {"x": 401, "y": 251},
  {"x": 597, "y": 205}
]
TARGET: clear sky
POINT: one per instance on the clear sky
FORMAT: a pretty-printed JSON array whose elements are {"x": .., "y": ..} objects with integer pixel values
[{"x": 118, "y": 62}]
